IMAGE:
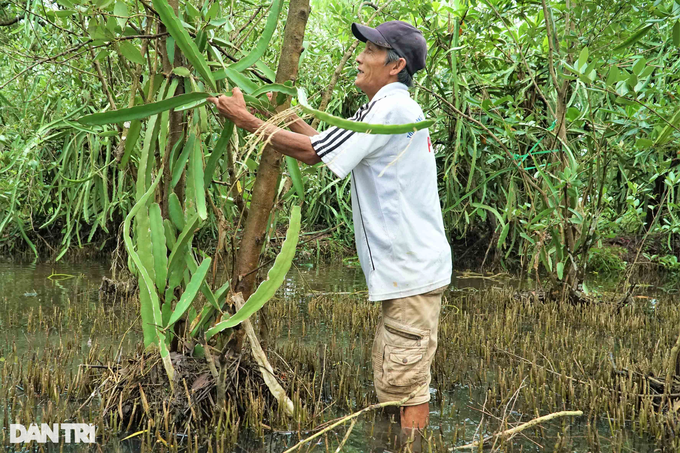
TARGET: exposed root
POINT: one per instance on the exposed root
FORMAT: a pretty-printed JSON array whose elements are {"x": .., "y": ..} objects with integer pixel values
[{"x": 137, "y": 393}]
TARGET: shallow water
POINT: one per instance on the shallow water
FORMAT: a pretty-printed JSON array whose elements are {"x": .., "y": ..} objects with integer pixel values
[{"x": 31, "y": 290}]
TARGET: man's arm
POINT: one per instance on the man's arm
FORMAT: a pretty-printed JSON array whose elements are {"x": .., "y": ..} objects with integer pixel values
[
  {"x": 293, "y": 144},
  {"x": 299, "y": 126}
]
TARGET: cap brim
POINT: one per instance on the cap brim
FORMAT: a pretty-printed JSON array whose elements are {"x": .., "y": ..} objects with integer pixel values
[{"x": 364, "y": 33}]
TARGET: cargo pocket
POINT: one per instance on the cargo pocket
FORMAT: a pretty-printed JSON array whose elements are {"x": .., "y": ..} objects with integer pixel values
[{"x": 405, "y": 361}]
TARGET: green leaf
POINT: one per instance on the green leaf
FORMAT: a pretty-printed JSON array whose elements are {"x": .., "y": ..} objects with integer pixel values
[
  {"x": 504, "y": 235},
  {"x": 666, "y": 132},
  {"x": 218, "y": 151},
  {"x": 491, "y": 210},
  {"x": 177, "y": 261},
  {"x": 358, "y": 126},
  {"x": 676, "y": 33},
  {"x": 238, "y": 79},
  {"x": 263, "y": 42},
  {"x": 181, "y": 71},
  {"x": 176, "y": 212},
  {"x": 143, "y": 240},
  {"x": 147, "y": 291},
  {"x": 275, "y": 278},
  {"x": 296, "y": 177},
  {"x": 190, "y": 292},
  {"x": 160, "y": 251},
  {"x": 613, "y": 76},
  {"x": 179, "y": 164},
  {"x": 639, "y": 66},
  {"x": 184, "y": 41},
  {"x": 197, "y": 179},
  {"x": 275, "y": 88},
  {"x": 635, "y": 37},
  {"x": 560, "y": 270},
  {"x": 141, "y": 111},
  {"x": 582, "y": 59},
  {"x": 131, "y": 52},
  {"x": 120, "y": 9},
  {"x": 130, "y": 141}
]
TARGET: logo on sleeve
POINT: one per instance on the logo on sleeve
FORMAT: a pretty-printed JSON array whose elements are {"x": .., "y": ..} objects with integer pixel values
[
  {"x": 429, "y": 144},
  {"x": 419, "y": 119}
]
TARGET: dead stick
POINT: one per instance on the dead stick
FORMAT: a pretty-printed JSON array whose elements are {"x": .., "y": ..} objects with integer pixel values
[
  {"x": 355, "y": 415},
  {"x": 344, "y": 439},
  {"x": 519, "y": 428}
]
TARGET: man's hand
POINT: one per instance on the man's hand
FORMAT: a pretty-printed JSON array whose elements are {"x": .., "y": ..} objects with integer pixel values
[{"x": 233, "y": 107}]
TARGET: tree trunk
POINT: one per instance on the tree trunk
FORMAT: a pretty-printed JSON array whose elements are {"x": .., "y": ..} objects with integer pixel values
[{"x": 268, "y": 172}]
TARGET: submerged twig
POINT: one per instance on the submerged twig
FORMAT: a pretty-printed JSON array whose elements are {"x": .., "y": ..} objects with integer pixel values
[
  {"x": 509, "y": 433},
  {"x": 355, "y": 415}
]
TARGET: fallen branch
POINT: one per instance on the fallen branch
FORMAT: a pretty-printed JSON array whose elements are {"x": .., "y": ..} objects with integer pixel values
[
  {"x": 509, "y": 433},
  {"x": 355, "y": 415},
  {"x": 268, "y": 372}
]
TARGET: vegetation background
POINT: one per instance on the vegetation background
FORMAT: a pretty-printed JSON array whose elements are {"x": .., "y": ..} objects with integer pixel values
[{"x": 556, "y": 129}]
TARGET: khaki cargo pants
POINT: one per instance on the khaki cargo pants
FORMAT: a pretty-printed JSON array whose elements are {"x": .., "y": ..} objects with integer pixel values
[{"x": 404, "y": 345}]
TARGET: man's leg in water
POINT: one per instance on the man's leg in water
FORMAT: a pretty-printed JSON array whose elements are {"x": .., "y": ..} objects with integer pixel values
[{"x": 405, "y": 343}]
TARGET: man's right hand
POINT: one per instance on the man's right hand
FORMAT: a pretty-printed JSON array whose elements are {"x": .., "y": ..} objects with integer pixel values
[{"x": 232, "y": 107}]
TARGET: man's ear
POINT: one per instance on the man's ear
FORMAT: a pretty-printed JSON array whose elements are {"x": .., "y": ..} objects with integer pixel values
[{"x": 401, "y": 64}]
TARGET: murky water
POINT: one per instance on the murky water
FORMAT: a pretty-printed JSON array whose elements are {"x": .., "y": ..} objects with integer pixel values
[{"x": 31, "y": 294}]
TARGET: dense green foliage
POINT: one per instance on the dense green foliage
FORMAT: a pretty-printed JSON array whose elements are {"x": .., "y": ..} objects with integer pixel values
[{"x": 556, "y": 124}]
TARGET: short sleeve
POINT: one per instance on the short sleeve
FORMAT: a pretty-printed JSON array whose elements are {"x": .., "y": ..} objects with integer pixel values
[{"x": 341, "y": 150}]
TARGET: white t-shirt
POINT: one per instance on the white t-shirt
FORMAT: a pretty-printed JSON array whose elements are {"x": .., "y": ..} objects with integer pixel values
[{"x": 398, "y": 223}]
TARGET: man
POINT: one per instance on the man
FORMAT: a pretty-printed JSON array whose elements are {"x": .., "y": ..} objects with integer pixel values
[{"x": 397, "y": 216}]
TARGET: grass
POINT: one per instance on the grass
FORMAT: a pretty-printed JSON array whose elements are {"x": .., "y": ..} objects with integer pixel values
[{"x": 500, "y": 362}]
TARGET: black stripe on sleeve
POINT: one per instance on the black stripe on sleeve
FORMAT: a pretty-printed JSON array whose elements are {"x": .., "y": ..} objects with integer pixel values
[
  {"x": 333, "y": 130},
  {"x": 340, "y": 139}
]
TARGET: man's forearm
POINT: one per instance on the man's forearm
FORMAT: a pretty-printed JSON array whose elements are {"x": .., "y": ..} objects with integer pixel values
[
  {"x": 301, "y": 127},
  {"x": 293, "y": 144}
]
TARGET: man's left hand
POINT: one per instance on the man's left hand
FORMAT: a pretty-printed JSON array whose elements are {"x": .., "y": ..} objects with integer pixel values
[{"x": 233, "y": 107}]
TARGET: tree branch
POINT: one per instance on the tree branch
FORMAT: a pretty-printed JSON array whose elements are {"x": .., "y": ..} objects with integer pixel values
[{"x": 8, "y": 22}]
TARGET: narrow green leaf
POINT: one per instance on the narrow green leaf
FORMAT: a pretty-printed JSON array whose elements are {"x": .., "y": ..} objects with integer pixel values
[
  {"x": 263, "y": 42},
  {"x": 666, "y": 132},
  {"x": 176, "y": 212},
  {"x": 504, "y": 235},
  {"x": 296, "y": 177},
  {"x": 158, "y": 243},
  {"x": 613, "y": 76},
  {"x": 238, "y": 79},
  {"x": 218, "y": 151},
  {"x": 358, "y": 126},
  {"x": 142, "y": 111},
  {"x": 560, "y": 270},
  {"x": 582, "y": 59},
  {"x": 197, "y": 179},
  {"x": 491, "y": 210},
  {"x": 180, "y": 163},
  {"x": 676, "y": 33},
  {"x": 190, "y": 292},
  {"x": 131, "y": 52},
  {"x": 275, "y": 278},
  {"x": 184, "y": 41},
  {"x": 146, "y": 157},
  {"x": 635, "y": 37},
  {"x": 181, "y": 71},
  {"x": 120, "y": 9},
  {"x": 149, "y": 293},
  {"x": 143, "y": 240},
  {"x": 177, "y": 261},
  {"x": 275, "y": 88}
]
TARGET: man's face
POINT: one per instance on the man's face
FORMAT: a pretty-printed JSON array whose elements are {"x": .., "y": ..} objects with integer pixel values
[{"x": 373, "y": 73}]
